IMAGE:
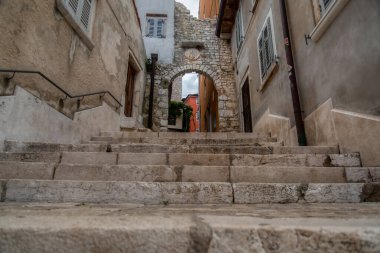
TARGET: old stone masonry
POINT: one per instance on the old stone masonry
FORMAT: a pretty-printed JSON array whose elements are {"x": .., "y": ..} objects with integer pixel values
[{"x": 197, "y": 49}]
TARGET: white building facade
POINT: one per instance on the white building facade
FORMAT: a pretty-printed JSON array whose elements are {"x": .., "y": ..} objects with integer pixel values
[{"x": 157, "y": 23}]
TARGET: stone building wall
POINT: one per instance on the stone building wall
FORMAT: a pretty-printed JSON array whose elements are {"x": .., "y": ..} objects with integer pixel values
[
  {"x": 198, "y": 49},
  {"x": 177, "y": 89},
  {"x": 38, "y": 35}
]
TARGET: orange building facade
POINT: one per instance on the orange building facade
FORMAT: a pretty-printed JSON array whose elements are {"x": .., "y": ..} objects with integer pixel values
[
  {"x": 208, "y": 9},
  {"x": 208, "y": 96},
  {"x": 192, "y": 100}
]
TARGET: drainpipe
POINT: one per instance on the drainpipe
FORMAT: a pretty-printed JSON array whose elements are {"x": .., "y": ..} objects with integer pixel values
[
  {"x": 222, "y": 8},
  {"x": 292, "y": 77},
  {"x": 154, "y": 58}
]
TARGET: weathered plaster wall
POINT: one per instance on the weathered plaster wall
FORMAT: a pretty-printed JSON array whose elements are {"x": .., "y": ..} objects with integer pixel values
[
  {"x": 276, "y": 94},
  {"x": 36, "y": 36},
  {"x": 337, "y": 76},
  {"x": 24, "y": 117},
  {"x": 344, "y": 64},
  {"x": 164, "y": 47},
  {"x": 213, "y": 60}
]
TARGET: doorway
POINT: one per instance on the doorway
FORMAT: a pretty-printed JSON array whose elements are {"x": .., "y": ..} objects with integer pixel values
[
  {"x": 129, "y": 90},
  {"x": 247, "y": 107}
]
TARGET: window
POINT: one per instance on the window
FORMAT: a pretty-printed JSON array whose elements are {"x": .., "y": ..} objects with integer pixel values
[
  {"x": 266, "y": 47},
  {"x": 239, "y": 29},
  {"x": 79, "y": 13},
  {"x": 324, "y": 5},
  {"x": 156, "y": 25},
  {"x": 325, "y": 12}
]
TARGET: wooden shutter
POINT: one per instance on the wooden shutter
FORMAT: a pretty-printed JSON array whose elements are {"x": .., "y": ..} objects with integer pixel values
[
  {"x": 73, "y": 6},
  {"x": 270, "y": 44},
  {"x": 86, "y": 13},
  {"x": 160, "y": 28},
  {"x": 261, "y": 55},
  {"x": 150, "y": 23}
]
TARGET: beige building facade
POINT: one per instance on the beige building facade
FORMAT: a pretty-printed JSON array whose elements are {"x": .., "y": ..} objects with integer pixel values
[
  {"x": 92, "y": 50},
  {"x": 337, "y": 58}
]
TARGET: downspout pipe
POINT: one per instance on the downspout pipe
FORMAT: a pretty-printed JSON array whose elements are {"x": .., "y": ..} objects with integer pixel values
[
  {"x": 292, "y": 77},
  {"x": 222, "y": 7},
  {"x": 154, "y": 58}
]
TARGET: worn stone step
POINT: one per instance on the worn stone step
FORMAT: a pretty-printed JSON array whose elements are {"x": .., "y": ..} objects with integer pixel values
[
  {"x": 187, "y": 141},
  {"x": 186, "y": 192},
  {"x": 26, "y": 170},
  {"x": 98, "y": 158},
  {"x": 74, "y": 228},
  {"x": 286, "y": 174},
  {"x": 44, "y": 157},
  {"x": 175, "y": 135},
  {"x": 198, "y": 149},
  {"x": 307, "y": 160},
  {"x": 143, "y": 173},
  {"x": 220, "y": 149},
  {"x": 15, "y": 146},
  {"x": 28, "y": 147},
  {"x": 104, "y": 158},
  {"x": 254, "y": 193},
  {"x": 149, "y": 193},
  {"x": 306, "y": 150}
]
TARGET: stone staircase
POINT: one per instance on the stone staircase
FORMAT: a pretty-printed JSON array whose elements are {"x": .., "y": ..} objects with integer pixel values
[{"x": 212, "y": 186}]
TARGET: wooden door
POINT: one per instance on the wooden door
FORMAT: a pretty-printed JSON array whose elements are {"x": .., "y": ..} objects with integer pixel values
[
  {"x": 247, "y": 107},
  {"x": 129, "y": 89}
]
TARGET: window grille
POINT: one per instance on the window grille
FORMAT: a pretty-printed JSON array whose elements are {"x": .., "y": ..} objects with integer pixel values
[{"x": 266, "y": 48}]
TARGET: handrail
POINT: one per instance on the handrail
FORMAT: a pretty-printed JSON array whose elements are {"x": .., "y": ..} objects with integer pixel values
[{"x": 14, "y": 71}]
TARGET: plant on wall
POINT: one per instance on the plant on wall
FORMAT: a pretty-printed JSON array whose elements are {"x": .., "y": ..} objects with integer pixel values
[
  {"x": 178, "y": 108},
  {"x": 149, "y": 65}
]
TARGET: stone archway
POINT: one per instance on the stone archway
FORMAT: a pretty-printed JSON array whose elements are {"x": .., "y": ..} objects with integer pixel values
[
  {"x": 227, "y": 106},
  {"x": 198, "y": 49}
]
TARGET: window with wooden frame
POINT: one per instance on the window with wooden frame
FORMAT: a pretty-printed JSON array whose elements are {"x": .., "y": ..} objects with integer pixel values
[
  {"x": 79, "y": 14},
  {"x": 266, "y": 48},
  {"x": 324, "y": 5},
  {"x": 156, "y": 25},
  {"x": 325, "y": 12},
  {"x": 239, "y": 29}
]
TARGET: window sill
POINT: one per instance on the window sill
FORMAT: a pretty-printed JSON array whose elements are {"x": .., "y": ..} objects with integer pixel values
[
  {"x": 69, "y": 18},
  {"x": 326, "y": 20},
  {"x": 272, "y": 70}
]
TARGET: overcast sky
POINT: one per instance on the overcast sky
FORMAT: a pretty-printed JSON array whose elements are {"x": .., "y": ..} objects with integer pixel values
[
  {"x": 189, "y": 84},
  {"x": 192, "y": 5}
]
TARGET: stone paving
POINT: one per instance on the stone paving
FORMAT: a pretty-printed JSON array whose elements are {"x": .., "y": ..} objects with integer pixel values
[{"x": 289, "y": 228}]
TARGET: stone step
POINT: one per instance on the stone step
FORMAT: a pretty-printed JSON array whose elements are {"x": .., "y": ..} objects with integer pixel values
[
  {"x": 149, "y": 193},
  {"x": 153, "y": 193},
  {"x": 187, "y": 173},
  {"x": 256, "y": 193},
  {"x": 220, "y": 149},
  {"x": 76, "y": 228},
  {"x": 43, "y": 157},
  {"x": 26, "y": 170},
  {"x": 176, "y": 135},
  {"x": 105, "y": 158},
  {"x": 186, "y": 141},
  {"x": 15, "y": 146},
  {"x": 35, "y": 147}
]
